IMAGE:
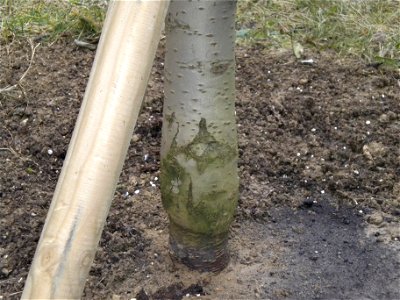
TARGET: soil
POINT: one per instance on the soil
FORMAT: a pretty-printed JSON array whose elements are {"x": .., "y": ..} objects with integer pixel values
[{"x": 319, "y": 208}]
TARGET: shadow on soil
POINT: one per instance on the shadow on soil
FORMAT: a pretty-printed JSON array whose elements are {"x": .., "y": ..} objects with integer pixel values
[{"x": 328, "y": 256}]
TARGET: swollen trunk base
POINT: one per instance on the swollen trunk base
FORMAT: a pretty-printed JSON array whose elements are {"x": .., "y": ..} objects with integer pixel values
[{"x": 198, "y": 251}]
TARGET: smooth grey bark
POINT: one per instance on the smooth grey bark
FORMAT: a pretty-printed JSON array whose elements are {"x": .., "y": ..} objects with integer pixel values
[{"x": 199, "y": 181}]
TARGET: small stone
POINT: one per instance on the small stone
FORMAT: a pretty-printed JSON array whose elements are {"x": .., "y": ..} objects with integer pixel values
[
  {"x": 374, "y": 150},
  {"x": 375, "y": 219},
  {"x": 5, "y": 271},
  {"x": 24, "y": 122},
  {"x": 383, "y": 118},
  {"x": 116, "y": 297},
  {"x": 135, "y": 138},
  {"x": 303, "y": 81}
]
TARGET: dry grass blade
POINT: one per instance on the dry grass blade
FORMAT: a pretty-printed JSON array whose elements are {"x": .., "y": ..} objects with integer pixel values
[{"x": 19, "y": 83}]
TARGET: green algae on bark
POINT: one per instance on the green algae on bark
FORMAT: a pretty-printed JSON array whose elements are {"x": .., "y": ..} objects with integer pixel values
[{"x": 199, "y": 183}]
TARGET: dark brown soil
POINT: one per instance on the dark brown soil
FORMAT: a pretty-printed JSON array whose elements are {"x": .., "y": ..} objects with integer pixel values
[{"x": 319, "y": 207}]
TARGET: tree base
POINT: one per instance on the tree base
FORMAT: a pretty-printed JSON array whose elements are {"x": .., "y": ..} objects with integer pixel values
[{"x": 204, "y": 253}]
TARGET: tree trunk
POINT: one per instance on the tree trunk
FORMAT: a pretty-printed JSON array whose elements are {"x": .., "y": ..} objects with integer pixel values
[{"x": 199, "y": 140}]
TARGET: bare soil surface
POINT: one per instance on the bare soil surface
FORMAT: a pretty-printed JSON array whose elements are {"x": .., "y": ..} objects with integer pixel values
[{"x": 319, "y": 208}]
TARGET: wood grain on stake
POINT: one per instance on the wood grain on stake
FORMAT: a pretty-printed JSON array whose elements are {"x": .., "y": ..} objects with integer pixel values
[{"x": 97, "y": 149}]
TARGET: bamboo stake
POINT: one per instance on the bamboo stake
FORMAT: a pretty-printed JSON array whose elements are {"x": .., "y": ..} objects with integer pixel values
[{"x": 97, "y": 150}]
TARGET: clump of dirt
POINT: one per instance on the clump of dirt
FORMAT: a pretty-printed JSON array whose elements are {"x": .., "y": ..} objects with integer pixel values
[{"x": 319, "y": 166}]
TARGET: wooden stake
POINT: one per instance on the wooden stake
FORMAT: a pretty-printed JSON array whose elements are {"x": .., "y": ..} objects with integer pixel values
[{"x": 97, "y": 150}]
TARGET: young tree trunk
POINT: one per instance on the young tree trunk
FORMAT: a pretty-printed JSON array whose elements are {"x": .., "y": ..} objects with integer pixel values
[{"x": 199, "y": 180}]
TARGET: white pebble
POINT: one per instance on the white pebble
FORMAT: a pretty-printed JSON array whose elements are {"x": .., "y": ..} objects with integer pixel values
[
  {"x": 360, "y": 211},
  {"x": 298, "y": 154},
  {"x": 383, "y": 96},
  {"x": 322, "y": 192},
  {"x": 50, "y": 152},
  {"x": 155, "y": 178},
  {"x": 356, "y": 172},
  {"x": 137, "y": 192},
  {"x": 146, "y": 156},
  {"x": 187, "y": 295},
  {"x": 313, "y": 130},
  {"x": 344, "y": 147},
  {"x": 368, "y": 122},
  {"x": 335, "y": 128}
]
